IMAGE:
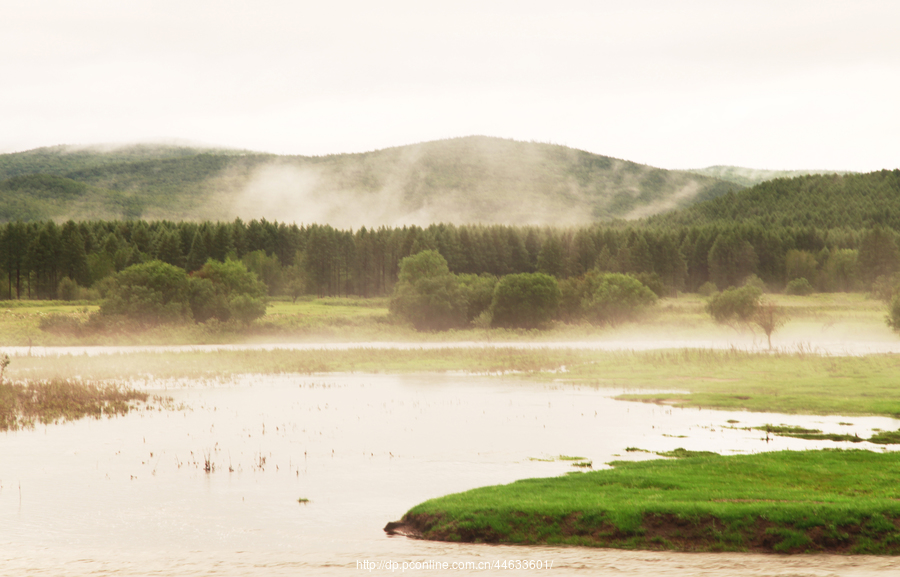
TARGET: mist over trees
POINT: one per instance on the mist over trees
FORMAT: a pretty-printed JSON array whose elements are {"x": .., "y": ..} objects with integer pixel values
[{"x": 473, "y": 179}]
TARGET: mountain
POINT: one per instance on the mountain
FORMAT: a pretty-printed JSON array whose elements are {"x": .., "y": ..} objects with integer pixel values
[
  {"x": 752, "y": 176},
  {"x": 472, "y": 179},
  {"x": 851, "y": 201}
]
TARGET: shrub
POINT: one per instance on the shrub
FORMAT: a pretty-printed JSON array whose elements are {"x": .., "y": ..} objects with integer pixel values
[
  {"x": 893, "y": 317},
  {"x": 652, "y": 281},
  {"x": 798, "y": 286},
  {"x": 755, "y": 281},
  {"x": 885, "y": 287},
  {"x": 226, "y": 290},
  {"x": 479, "y": 292},
  {"x": 526, "y": 300},
  {"x": 151, "y": 292},
  {"x": 708, "y": 289},
  {"x": 428, "y": 295},
  {"x": 68, "y": 290},
  {"x": 616, "y": 298},
  {"x": 735, "y": 304}
]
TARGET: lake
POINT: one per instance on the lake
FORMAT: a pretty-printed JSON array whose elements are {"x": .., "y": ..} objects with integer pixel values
[{"x": 213, "y": 486}]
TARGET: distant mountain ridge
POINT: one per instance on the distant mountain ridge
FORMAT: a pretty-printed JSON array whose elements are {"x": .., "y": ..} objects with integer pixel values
[
  {"x": 825, "y": 201},
  {"x": 752, "y": 176},
  {"x": 472, "y": 179}
]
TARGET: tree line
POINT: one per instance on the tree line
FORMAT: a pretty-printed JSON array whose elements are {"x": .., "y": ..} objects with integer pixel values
[{"x": 45, "y": 260}]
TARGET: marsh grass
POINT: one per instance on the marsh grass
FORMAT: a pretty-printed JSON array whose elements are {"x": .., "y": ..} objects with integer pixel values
[
  {"x": 807, "y": 434},
  {"x": 45, "y": 402},
  {"x": 886, "y": 438},
  {"x": 838, "y": 501},
  {"x": 795, "y": 382}
]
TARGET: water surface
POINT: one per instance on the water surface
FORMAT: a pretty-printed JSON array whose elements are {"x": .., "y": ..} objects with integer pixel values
[{"x": 134, "y": 495}]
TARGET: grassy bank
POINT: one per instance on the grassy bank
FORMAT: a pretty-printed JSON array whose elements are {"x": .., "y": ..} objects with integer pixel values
[
  {"x": 52, "y": 323},
  {"x": 736, "y": 380},
  {"x": 787, "y": 502},
  {"x": 729, "y": 380}
]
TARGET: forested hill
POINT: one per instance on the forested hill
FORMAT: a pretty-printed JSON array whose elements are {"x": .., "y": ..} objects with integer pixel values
[
  {"x": 753, "y": 176},
  {"x": 462, "y": 180},
  {"x": 852, "y": 201}
]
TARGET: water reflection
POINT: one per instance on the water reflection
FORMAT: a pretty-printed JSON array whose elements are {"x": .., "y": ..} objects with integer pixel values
[{"x": 214, "y": 488}]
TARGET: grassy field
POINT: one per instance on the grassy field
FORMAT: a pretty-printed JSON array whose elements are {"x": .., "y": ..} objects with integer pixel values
[
  {"x": 847, "y": 316},
  {"x": 786, "y": 502}
]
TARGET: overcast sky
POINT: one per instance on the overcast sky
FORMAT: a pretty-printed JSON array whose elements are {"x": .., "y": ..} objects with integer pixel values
[{"x": 675, "y": 84}]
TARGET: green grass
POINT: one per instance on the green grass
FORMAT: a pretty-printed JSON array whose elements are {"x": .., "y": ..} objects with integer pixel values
[
  {"x": 49, "y": 323},
  {"x": 838, "y": 501},
  {"x": 735, "y": 380},
  {"x": 729, "y": 380},
  {"x": 808, "y": 434}
]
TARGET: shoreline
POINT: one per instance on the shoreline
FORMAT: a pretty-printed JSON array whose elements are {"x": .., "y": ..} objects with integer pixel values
[{"x": 785, "y": 502}]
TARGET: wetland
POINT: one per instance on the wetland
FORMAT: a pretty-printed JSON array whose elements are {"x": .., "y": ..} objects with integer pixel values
[{"x": 280, "y": 457}]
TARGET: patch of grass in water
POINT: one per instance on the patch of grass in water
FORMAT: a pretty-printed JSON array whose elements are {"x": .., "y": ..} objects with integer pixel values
[
  {"x": 844, "y": 501},
  {"x": 886, "y": 438},
  {"x": 680, "y": 453},
  {"x": 22, "y": 405},
  {"x": 807, "y": 434}
]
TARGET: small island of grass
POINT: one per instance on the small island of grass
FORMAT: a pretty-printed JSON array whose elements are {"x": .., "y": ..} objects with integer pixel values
[{"x": 786, "y": 502}]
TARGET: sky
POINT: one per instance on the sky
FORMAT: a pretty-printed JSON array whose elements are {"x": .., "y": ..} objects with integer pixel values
[{"x": 671, "y": 83}]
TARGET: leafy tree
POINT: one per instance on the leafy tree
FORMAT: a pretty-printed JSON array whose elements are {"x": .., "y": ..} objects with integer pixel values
[
  {"x": 428, "y": 295},
  {"x": 798, "y": 286},
  {"x": 735, "y": 305},
  {"x": 295, "y": 281},
  {"x": 893, "y": 316},
  {"x": 479, "y": 292},
  {"x": 707, "y": 289},
  {"x": 68, "y": 290},
  {"x": 652, "y": 281},
  {"x": 230, "y": 291},
  {"x": 266, "y": 268},
  {"x": 616, "y": 298},
  {"x": 525, "y": 300},
  {"x": 769, "y": 318},
  {"x": 153, "y": 292}
]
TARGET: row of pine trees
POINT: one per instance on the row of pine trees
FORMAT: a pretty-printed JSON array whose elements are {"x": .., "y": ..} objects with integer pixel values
[{"x": 36, "y": 257}]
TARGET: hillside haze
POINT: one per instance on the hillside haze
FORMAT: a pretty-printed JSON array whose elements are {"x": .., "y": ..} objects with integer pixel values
[
  {"x": 753, "y": 176},
  {"x": 463, "y": 180}
]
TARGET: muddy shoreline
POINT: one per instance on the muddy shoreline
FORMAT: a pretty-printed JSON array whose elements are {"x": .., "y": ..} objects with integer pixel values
[{"x": 668, "y": 532}]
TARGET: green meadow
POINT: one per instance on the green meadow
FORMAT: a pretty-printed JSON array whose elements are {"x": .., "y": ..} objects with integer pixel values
[
  {"x": 785, "y": 502},
  {"x": 352, "y": 319}
]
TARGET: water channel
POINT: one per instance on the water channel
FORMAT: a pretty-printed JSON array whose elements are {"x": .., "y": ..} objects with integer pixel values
[{"x": 212, "y": 487}]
